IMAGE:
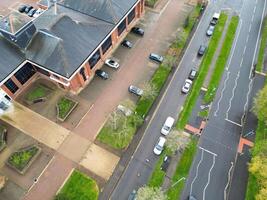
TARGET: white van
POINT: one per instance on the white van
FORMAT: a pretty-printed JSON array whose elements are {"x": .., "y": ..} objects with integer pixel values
[
  {"x": 166, "y": 128},
  {"x": 159, "y": 146}
]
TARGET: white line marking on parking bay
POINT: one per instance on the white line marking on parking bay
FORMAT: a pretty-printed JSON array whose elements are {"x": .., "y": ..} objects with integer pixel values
[
  {"x": 208, "y": 151},
  {"x": 232, "y": 122},
  {"x": 204, "y": 191}
]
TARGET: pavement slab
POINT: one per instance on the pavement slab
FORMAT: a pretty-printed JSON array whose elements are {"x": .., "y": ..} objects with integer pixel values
[
  {"x": 35, "y": 125},
  {"x": 100, "y": 161}
]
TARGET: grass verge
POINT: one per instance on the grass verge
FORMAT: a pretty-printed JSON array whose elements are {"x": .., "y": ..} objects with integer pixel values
[
  {"x": 78, "y": 187},
  {"x": 182, "y": 170},
  {"x": 259, "y": 66},
  {"x": 203, "y": 70},
  {"x": 221, "y": 60}
]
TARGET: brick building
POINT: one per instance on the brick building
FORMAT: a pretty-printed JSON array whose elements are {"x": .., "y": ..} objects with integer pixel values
[{"x": 65, "y": 44}]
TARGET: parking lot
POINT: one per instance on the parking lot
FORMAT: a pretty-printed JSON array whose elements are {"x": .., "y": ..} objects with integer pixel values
[{"x": 8, "y": 5}]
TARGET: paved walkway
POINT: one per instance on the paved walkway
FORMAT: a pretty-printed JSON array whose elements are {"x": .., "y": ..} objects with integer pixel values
[{"x": 35, "y": 125}]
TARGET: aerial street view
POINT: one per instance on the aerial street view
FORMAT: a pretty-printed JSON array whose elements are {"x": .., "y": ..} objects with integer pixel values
[{"x": 133, "y": 100}]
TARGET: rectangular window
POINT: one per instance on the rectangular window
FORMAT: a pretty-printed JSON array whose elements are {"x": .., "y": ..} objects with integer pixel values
[
  {"x": 131, "y": 16},
  {"x": 122, "y": 27},
  {"x": 11, "y": 86},
  {"x": 42, "y": 71},
  {"x": 94, "y": 59},
  {"x": 106, "y": 45},
  {"x": 25, "y": 73}
]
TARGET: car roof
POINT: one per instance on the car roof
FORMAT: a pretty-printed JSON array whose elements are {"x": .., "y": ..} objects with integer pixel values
[{"x": 161, "y": 141}]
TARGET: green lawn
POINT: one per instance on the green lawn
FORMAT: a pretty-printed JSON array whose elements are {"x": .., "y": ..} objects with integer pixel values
[
  {"x": 221, "y": 60},
  {"x": 262, "y": 46},
  {"x": 64, "y": 106},
  {"x": 182, "y": 170},
  {"x": 203, "y": 70},
  {"x": 21, "y": 158},
  {"x": 37, "y": 92},
  {"x": 78, "y": 187},
  {"x": 151, "y": 3}
]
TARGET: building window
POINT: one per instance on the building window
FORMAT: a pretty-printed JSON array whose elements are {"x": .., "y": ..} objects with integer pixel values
[
  {"x": 94, "y": 59},
  {"x": 42, "y": 71},
  {"x": 131, "y": 16},
  {"x": 122, "y": 27},
  {"x": 25, "y": 73},
  {"x": 11, "y": 86},
  {"x": 106, "y": 45},
  {"x": 82, "y": 72}
]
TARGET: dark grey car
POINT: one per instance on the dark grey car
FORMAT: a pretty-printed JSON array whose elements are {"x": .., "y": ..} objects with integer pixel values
[
  {"x": 102, "y": 74},
  {"x": 201, "y": 50}
]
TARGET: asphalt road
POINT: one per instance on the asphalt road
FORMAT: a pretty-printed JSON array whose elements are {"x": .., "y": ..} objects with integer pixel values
[
  {"x": 138, "y": 171},
  {"x": 216, "y": 156}
]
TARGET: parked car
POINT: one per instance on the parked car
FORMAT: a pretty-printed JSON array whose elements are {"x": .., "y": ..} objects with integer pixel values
[
  {"x": 127, "y": 43},
  {"x": 126, "y": 111},
  {"x": 22, "y": 8},
  {"x": 215, "y": 19},
  {"x": 156, "y": 57},
  {"x": 187, "y": 85},
  {"x": 210, "y": 30},
  {"x": 31, "y": 12},
  {"x": 192, "y": 74},
  {"x": 102, "y": 74},
  {"x": 38, "y": 12},
  {"x": 135, "y": 90},
  {"x": 166, "y": 163},
  {"x": 112, "y": 63},
  {"x": 27, "y": 9},
  {"x": 201, "y": 50},
  {"x": 166, "y": 128},
  {"x": 159, "y": 146},
  {"x": 138, "y": 31},
  {"x": 132, "y": 195}
]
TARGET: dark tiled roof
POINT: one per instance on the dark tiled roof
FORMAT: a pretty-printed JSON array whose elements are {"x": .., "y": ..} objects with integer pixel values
[
  {"x": 108, "y": 10},
  {"x": 64, "y": 41}
]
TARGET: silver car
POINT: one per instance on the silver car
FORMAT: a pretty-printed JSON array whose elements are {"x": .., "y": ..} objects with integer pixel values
[
  {"x": 187, "y": 85},
  {"x": 210, "y": 30},
  {"x": 135, "y": 90}
]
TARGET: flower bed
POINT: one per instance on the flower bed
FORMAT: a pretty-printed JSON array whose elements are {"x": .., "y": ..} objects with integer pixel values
[
  {"x": 37, "y": 94},
  {"x": 64, "y": 107},
  {"x": 22, "y": 159}
]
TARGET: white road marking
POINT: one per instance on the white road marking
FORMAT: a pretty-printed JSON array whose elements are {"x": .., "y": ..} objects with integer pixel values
[
  {"x": 233, "y": 122},
  {"x": 233, "y": 50},
  {"x": 208, "y": 151},
  {"x": 247, "y": 99},
  {"x": 191, "y": 187},
  {"x": 233, "y": 94},
  {"x": 204, "y": 191},
  {"x": 228, "y": 182},
  {"x": 224, "y": 86}
]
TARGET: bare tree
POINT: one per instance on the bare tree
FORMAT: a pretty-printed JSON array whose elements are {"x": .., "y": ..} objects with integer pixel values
[
  {"x": 150, "y": 193},
  {"x": 177, "y": 140},
  {"x": 150, "y": 91}
]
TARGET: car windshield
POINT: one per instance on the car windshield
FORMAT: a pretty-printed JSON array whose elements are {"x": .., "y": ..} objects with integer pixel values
[
  {"x": 159, "y": 148},
  {"x": 112, "y": 61},
  {"x": 166, "y": 128}
]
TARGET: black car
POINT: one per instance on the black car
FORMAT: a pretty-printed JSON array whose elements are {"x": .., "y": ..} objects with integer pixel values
[
  {"x": 31, "y": 12},
  {"x": 201, "y": 50},
  {"x": 192, "y": 74},
  {"x": 166, "y": 163},
  {"x": 156, "y": 57},
  {"x": 27, "y": 9},
  {"x": 127, "y": 44},
  {"x": 102, "y": 74},
  {"x": 138, "y": 31},
  {"x": 22, "y": 8}
]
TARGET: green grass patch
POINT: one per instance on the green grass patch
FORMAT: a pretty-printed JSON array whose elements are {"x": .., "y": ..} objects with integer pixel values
[
  {"x": 64, "y": 107},
  {"x": 263, "y": 42},
  {"x": 182, "y": 170},
  {"x": 20, "y": 159},
  {"x": 78, "y": 187},
  {"x": 203, "y": 113},
  {"x": 221, "y": 60},
  {"x": 151, "y": 3},
  {"x": 37, "y": 92},
  {"x": 157, "y": 177},
  {"x": 252, "y": 187},
  {"x": 203, "y": 70}
]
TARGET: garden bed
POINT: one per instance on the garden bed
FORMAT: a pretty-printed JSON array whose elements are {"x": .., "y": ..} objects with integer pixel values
[
  {"x": 37, "y": 94},
  {"x": 3, "y": 135},
  {"x": 64, "y": 108},
  {"x": 78, "y": 187},
  {"x": 21, "y": 160}
]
